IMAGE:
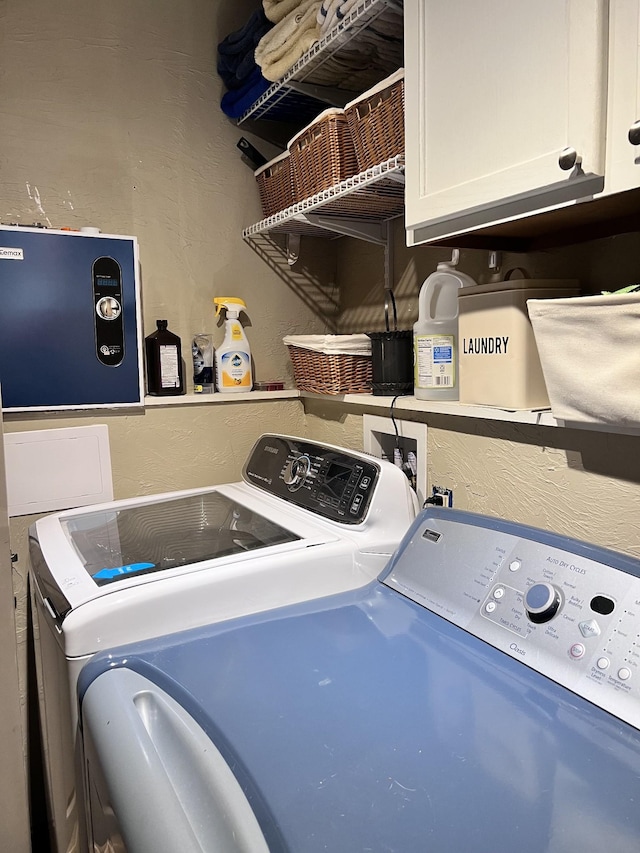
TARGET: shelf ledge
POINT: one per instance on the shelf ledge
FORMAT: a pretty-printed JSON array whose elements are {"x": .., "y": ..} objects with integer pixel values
[
  {"x": 208, "y": 399},
  {"x": 409, "y": 404},
  {"x": 401, "y": 404}
]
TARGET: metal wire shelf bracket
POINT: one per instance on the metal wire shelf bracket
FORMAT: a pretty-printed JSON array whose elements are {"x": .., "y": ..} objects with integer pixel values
[
  {"x": 371, "y": 232},
  {"x": 357, "y": 207},
  {"x": 322, "y": 51}
]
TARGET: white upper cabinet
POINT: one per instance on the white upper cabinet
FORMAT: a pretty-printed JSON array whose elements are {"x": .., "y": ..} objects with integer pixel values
[
  {"x": 505, "y": 109},
  {"x": 623, "y": 118}
]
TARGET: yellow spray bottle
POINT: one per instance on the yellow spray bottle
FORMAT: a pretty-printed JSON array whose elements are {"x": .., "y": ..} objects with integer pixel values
[{"x": 233, "y": 356}]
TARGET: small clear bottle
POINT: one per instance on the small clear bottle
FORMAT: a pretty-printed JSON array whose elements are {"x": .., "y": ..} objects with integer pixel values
[
  {"x": 202, "y": 352},
  {"x": 165, "y": 371}
]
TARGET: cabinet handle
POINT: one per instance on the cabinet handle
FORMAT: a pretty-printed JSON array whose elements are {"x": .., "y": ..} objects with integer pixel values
[
  {"x": 569, "y": 158},
  {"x": 634, "y": 133}
]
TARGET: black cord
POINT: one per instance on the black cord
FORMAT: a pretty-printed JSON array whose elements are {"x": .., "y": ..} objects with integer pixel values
[
  {"x": 405, "y": 467},
  {"x": 393, "y": 420}
]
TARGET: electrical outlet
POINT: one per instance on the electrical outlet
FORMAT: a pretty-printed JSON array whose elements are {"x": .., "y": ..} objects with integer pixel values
[{"x": 445, "y": 494}]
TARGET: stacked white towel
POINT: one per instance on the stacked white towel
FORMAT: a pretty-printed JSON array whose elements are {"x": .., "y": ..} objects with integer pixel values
[
  {"x": 296, "y": 31},
  {"x": 331, "y": 12},
  {"x": 360, "y": 62}
]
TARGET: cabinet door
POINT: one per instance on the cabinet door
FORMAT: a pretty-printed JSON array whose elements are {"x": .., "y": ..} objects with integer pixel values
[
  {"x": 495, "y": 93},
  {"x": 623, "y": 118}
]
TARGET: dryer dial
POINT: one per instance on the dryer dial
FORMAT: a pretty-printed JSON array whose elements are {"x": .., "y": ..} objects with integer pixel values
[{"x": 542, "y": 601}]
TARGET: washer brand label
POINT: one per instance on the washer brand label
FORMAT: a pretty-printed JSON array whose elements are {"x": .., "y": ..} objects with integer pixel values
[
  {"x": 9, "y": 254},
  {"x": 485, "y": 346}
]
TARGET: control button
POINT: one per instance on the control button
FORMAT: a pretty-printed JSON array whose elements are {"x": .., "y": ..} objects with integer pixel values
[
  {"x": 498, "y": 592},
  {"x": 514, "y": 565},
  {"x": 542, "y": 601},
  {"x": 603, "y": 663},
  {"x": 355, "y": 505},
  {"x": 491, "y": 606},
  {"x": 589, "y": 628},
  {"x": 365, "y": 482},
  {"x": 624, "y": 673},
  {"x": 577, "y": 650}
]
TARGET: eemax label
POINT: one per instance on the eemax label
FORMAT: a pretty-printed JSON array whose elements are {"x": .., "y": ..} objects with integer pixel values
[
  {"x": 485, "y": 346},
  {"x": 9, "y": 254}
]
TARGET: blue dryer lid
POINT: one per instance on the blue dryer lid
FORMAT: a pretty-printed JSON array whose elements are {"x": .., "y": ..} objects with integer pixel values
[{"x": 365, "y": 722}]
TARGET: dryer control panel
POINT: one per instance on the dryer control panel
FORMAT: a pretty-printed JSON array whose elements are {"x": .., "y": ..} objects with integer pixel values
[
  {"x": 324, "y": 480},
  {"x": 569, "y": 610}
]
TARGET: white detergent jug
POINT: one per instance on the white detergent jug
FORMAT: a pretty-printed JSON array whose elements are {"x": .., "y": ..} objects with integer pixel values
[{"x": 435, "y": 335}]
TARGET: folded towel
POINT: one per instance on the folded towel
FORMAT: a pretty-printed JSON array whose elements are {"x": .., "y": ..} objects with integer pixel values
[
  {"x": 234, "y": 74},
  {"x": 277, "y": 10},
  {"x": 236, "y": 102},
  {"x": 327, "y": 11},
  {"x": 283, "y": 46},
  {"x": 246, "y": 38},
  {"x": 336, "y": 12},
  {"x": 236, "y": 60}
]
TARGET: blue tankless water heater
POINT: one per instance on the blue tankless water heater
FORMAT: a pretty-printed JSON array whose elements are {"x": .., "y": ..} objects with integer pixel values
[{"x": 70, "y": 320}]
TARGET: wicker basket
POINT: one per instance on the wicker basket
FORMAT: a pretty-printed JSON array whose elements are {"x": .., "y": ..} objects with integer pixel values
[
  {"x": 322, "y": 154},
  {"x": 275, "y": 184},
  {"x": 330, "y": 374},
  {"x": 376, "y": 121}
]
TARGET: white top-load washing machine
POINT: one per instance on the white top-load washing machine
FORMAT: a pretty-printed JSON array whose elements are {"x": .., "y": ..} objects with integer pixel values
[{"x": 308, "y": 520}]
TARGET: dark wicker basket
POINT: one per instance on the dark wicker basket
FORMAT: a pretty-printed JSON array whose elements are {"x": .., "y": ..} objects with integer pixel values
[
  {"x": 377, "y": 124},
  {"x": 322, "y": 155},
  {"x": 330, "y": 374},
  {"x": 275, "y": 184}
]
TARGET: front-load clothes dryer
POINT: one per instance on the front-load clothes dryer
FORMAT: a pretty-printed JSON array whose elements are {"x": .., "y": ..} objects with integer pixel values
[
  {"x": 483, "y": 696},
  {"x": 307, "y": 520}
]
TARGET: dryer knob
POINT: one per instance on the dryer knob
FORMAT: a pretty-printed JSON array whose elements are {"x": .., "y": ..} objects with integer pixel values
[{"x": 542, "y": 601}]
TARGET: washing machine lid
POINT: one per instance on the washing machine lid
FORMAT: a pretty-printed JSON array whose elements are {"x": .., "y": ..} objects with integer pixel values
[
  {"x": 119, "y": 542},
  {"x": 84, "y": 556}
]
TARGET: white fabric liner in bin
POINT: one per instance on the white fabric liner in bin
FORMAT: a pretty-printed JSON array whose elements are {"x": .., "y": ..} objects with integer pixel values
[
  {"x": 331, "y": 344},
  {"x": 379, "y": 87},
  {"x": 589, "y": 350}
]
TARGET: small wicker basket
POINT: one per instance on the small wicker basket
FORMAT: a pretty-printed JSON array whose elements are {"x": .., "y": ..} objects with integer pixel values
[
  {"x": 376, "y": 121},
  {"x": 330, "y": 374},
  {"x": 322, "y": 154},
  {"x": 275, "y": 184}
]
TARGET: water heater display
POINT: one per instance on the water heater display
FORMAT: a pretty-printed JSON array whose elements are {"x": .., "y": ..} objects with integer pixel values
[{"x": 107, "y": 295}]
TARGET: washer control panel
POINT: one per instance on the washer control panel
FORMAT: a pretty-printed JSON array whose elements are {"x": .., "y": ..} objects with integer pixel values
[
  {"x": 324, "y": 480},
  {"x": 566, "y": 609}
]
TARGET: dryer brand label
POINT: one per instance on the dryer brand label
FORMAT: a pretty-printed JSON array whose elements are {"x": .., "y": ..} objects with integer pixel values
[
  {"x": 7, "y": 253},
  {"x": 485, "y": 346}
]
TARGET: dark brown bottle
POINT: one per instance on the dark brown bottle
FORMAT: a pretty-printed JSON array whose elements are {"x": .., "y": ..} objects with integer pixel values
[{"x": 165, "y": 371}]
